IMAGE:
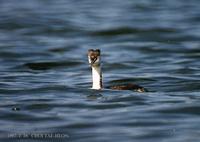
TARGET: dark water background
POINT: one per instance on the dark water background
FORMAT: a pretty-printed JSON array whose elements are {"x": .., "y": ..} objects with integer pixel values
[{"x": 45, "y": 77}]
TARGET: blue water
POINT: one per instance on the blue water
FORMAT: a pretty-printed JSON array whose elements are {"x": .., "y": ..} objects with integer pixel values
[{"x": 45, "y": 78}]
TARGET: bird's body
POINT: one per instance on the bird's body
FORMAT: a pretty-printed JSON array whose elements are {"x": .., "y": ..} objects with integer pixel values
[{"x": 133, "y": 87}]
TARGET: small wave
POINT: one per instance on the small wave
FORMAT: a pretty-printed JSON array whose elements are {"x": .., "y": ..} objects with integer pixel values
[
  {"x": 50, "y": 65},
  {"x": 128, "y": 30}
]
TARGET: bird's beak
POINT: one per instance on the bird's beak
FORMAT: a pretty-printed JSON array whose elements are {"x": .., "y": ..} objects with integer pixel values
[{"x": 93, "y": 61}]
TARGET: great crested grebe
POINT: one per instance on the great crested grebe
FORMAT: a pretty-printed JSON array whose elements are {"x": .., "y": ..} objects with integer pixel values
[{"x": 95, "y": 63}]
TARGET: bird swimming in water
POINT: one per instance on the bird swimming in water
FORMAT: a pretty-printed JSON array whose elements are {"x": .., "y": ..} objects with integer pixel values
[{"x": 94, "y": 58}]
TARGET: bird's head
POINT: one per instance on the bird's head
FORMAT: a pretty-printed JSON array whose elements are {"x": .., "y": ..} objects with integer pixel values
[{"x": 94, "y": 57}]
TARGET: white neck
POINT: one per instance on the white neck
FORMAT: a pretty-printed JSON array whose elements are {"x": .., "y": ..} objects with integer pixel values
[{"x": 96, "y": 77}]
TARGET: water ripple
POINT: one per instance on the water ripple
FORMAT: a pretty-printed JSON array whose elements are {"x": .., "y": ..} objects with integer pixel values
[{"x": 45, "y": 79}]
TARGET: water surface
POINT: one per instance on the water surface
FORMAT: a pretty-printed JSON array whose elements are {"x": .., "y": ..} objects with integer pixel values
[{"x": 45, "y": 79}]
